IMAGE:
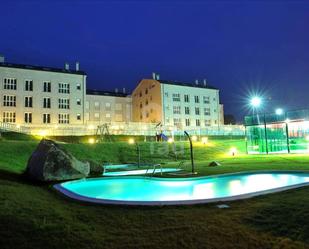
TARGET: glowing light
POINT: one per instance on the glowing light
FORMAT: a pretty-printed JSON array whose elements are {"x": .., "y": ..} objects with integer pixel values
[
  {"x": 233, "y": 151},
  {"x": 279, "y": 111},
  {"x": 42, "y": 133},
  {"x": 18, "y": 126},
  {"x": 170, "y": 140},
  {"x": 90, "y": 127},
  {"x": 91, "y": 140},
  {"x": 255, "y": 101},
  {"x": 204, "y": 140},
  {"x": 131, "y": 141},
  {"x": 194, "y": 138},
  {"x": 287, "y": 120}
]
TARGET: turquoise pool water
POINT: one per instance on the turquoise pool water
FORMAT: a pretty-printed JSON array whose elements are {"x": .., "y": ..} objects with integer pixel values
[{"x": 137, "y": 190}]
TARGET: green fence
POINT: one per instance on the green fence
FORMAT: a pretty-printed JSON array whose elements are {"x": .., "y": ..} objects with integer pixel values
[{"x": 271, "y": 133}]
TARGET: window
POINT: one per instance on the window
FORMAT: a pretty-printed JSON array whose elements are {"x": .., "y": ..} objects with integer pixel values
[
  {"x": 141, "y": 116},
  {"x": 78, "y": 116},
  {"x": 176, "y": 97},
  {"x": 187, "y": 122},
  {"x": 47, "y": 87},
  {"x": 196, "y": 99},
  {"x": 147, "y": 114},
  {"x": 187, "y": 110},
  {"x": 78, "y": 102},
  {"x": 107, "y": 115},
  {"x": 177, "y": 122},
  {"x": 146, "y": 103},
  {"x": 9, "y": 117},
  {"x": 10, "y": 84},
  {"x": 214, "y": 99},
  {"x": 46, "y": 102},
  {"x": 28, "y": 117},
  {"x": 96, "y": 105},
  {"x": 9, "y": 100},
  {"x": 198, "y": 122},
  {"x": 28, "y": 101},
  {"x": 140, "y": 105},
  {"x": 197, "y": 111},
  {"x": 63, "y": 103},
  {"x": 176, "y": 109},
  {"x": 166, "y": 94},
  {"x": 63, "y": 118},
  {"x": 78, "y": 86},
  {"x": 187, "y": 98},
  {"x": 46, "y": 118},
  {"x": 207, "y": 122},
  {"x": 28, "y": 85},
  {"x": 140, "y": 94},
  {"x": 64, "y": 88},
  {"x": 118, "y": 107},
  {"x": 108, "y": 105},
  {"x": 206, "y": 100},
  {"x": 97, "y": 115},
  {"x": 146, "y": 91},
  {"x": 206, "y": 111}
]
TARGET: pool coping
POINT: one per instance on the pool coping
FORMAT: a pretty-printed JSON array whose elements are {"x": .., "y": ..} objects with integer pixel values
[{"x": 81, "y": 198}]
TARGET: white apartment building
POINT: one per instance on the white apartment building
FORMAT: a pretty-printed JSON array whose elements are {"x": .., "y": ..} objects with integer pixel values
[
  {"x": 107, "y": 107},
  {"x": 182, "y": 105},
  {"x": 32, "y": 95}
]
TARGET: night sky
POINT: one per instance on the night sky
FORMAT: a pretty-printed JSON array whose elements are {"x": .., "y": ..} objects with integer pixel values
[{"x": 240, "y": 47}]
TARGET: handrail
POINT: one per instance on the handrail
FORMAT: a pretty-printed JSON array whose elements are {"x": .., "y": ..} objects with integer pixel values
[{"x": 154, "y": 168}]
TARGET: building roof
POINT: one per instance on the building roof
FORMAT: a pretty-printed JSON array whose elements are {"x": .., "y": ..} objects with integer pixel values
[
  {"x": 106, "y": 93},
  {"x": 200, "y": 85},
  {"x": 39, "y": 68}
]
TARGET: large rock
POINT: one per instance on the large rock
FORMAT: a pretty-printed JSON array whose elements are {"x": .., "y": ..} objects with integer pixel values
[
  {"x": 95, "y": 168},
  {"x": 49, "y": 162}
]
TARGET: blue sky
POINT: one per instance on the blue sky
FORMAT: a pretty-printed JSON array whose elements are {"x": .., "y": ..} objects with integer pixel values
[{"x": 241, "y": 47}]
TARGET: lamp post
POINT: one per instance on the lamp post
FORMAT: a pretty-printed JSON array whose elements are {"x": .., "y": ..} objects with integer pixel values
[{"x": 256, "y": 103}]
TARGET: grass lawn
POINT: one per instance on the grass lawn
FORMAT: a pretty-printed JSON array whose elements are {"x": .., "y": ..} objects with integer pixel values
[{"x": 36, "y": 216}]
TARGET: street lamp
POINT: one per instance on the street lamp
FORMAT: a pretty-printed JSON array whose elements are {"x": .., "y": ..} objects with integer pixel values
[
  {"x": 255, "y": 102},
  {"x": 279, "y": 111}
]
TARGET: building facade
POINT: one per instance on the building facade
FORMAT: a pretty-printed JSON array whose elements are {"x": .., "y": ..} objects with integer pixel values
[
  {"x": 56, "y": 101},
  {"x": 182, "y": 105},
  {"x": 107, "y": 107},
  {"x": 32, "y": 95}
]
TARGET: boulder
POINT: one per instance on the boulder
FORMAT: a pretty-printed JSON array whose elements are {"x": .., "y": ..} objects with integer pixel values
[
  {"x": 95, "y": 168},
  {"x": 50, "y": 162},
  {"x": 214, "y": 164}
]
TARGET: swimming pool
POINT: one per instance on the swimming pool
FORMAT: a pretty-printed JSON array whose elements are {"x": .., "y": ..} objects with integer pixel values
[
  {"x": 137, "y": 190},
  {"x": 139, "y": 172}
]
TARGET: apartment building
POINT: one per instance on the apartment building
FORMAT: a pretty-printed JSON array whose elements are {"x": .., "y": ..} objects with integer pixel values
[
  {"x": 178, "y": 104},
  {"x": 33, "y": 95},
  {"x": 107, "y": 107}
]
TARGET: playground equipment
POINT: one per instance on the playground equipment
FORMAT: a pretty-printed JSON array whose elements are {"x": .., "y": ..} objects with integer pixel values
[{"x": 103, "y": 133}]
